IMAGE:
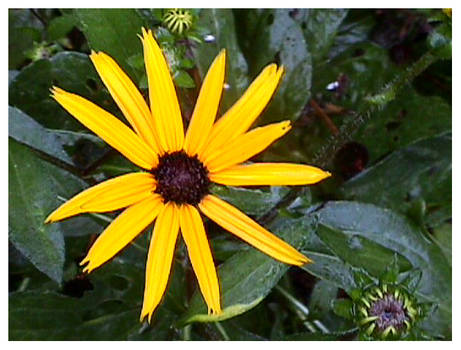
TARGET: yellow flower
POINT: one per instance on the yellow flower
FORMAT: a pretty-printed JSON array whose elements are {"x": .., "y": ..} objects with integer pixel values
[{"x": 179, "y": 169}]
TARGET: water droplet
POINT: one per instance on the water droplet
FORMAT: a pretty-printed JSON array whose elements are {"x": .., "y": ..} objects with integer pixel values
[
  {"x": 226, "y": 86},
  {"x": 332, "y": 86},
  {"x": 355, "y": 243},
  {"x": 209, "y": 38}
]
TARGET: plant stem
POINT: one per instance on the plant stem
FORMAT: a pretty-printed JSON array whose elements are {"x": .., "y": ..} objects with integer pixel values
[
  {"x": 389, "y": 92},
  {"x": 299, "y": 306},
  {"x": 222, "y": 331},
  {"x": 303, "y": 312},
  {"x": 24, "y": 284},
  {"x": 186, "y": 332},
  {"x": 102, "y": 217},
  {"x": 325, "y": 155}
]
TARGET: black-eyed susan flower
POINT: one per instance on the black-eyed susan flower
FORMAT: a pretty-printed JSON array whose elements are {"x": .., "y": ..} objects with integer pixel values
[{"x": 179, "y": 168}]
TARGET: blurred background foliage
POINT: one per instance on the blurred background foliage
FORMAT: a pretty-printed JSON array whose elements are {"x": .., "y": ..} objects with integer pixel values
[{"x": 369, "y": 92}]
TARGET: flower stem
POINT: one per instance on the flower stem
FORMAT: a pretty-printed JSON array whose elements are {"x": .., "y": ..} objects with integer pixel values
[
  {"x": 379, "y": 100},
  {"x": 102, "y": 217},
  {"x": 303, "y": 312},
  {"x": 299, "y": 306},
  {"x": 24, "y": 284},
  {"x": 222, "y": 331},
  {"x": 186, "y": 332}
]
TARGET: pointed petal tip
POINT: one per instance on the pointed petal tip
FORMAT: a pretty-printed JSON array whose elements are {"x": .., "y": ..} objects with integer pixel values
[
  {"x": 285, "y": 125},
  {"x": 215, "y": 311},
  {"x": 280, "y": 72},
  {"x": 49, "y": 219},
  {"x": 271, "y": 69},
  {"x": 84, "y": 261},
  {"x": 145, "y": 313},
  {"x": 322, "y": 175},
  {"x": 305, "y": 260},
  {"x": 54, "y": 90}
]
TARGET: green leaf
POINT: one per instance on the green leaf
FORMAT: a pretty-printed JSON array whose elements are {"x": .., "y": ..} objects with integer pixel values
[
  {"x": 366, "y": 72},
  {"x": 443, "y": 236},
  {"x": 71, "y": 71},
  {"x": 23, "y": 32},
  {"x": 354, "y": 29},
  {"x": 55, "y": 144},
  {"x": 281, "y": 40},
  {"x": 12, "y": 74},
  {"x": 343, "y": 308},
  {"x": 34, "y": 186},
  {"x": 252, "y": 202},
  {"x": 323, "y": 294},
  {"x": 408, "y": 118},
  {"x": 60, "y": 26},
  {"x": 183, "y": 79},
  {"x": 320, "y": 27},
  {"x": 247, "y": 277},
  {"x": 27, "y": 131},
  {"x": 440, "y": 40},
  {"x": 393, "y": 232},
  {"x": 109, "y": 311},
  {"x": 328, "y": 266},
  {"x": 360, "y": 252},
  {"x": 104, "y": 31},
  {"x": 420, "y": 171},
  {"x": 219, "y": 24}
]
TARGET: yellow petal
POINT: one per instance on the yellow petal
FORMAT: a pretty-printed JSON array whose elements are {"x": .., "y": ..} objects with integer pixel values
[
  {"x": 109, "y": 128},
  {"x": 122, "y": 231},
  {"x": 127, "y": 97},
  {"x": 245, "y": 146},
  {"x": 196, "y": 240},
  {"x": 160, "y": 257},
  {"x": 251, "y": 232},
  {"x": 206, "y": 107},
  {"x": 162, "y": 94},
  {"x": 273, "y": 174},
  {"x": 113, "y": 194},
  {"x": 244, "y": 112}
]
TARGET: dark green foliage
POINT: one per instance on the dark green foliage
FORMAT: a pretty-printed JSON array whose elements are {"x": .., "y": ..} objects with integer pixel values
[{"x": 382, "y": 82}]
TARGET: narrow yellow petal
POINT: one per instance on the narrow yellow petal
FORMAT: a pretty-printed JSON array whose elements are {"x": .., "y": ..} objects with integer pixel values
[
  {"x": 272, "y": 174},
  {"x": 206, "y": 107},
  {"x": 245, "y": 146},
  {"x": 162, "y": 94},
  {"x": 127, "y": 97},
  {"x": 160, "y": 257},
  {"x": 248, "y": 230},
  {"x": 196, "y": 240},
  {"x": 109, "y": 128},
  {"x": 122, "y": 231},
  {"x": 113, "y": 194},
  {"x": 244, "y": 112}
]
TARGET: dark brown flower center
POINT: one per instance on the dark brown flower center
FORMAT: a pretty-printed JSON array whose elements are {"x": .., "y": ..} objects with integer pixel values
[
  {"x": 181, "y": 178},
  {"x": 390, "y": 312}
]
